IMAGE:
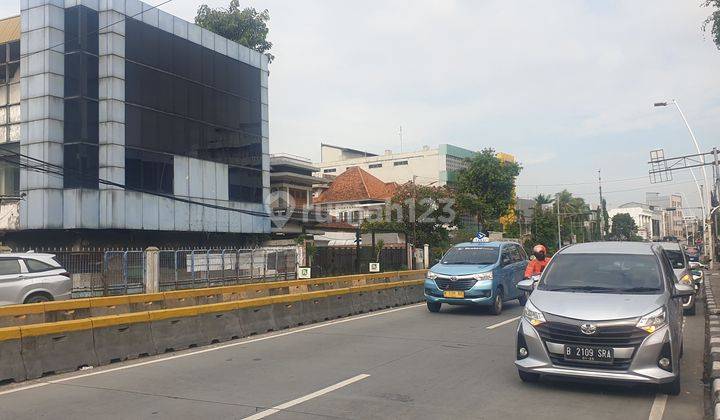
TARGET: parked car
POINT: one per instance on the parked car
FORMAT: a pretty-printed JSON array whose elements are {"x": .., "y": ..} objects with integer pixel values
[
  {"x": 683, "y": 273},
  {"x": 477, "y": 273},
  {"x": 604, "y": 311},
  {"x": 32, "y": 278}
]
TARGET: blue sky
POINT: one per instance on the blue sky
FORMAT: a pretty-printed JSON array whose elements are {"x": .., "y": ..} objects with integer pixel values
[{"x": 566, "y": 86}]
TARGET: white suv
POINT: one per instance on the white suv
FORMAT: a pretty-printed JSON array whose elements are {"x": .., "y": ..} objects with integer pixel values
[{"x": 32, "y": 278}]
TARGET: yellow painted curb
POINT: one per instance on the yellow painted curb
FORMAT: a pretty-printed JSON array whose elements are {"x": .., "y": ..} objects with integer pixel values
[
  {"x": 110, "y": 301},
  {"x": 10, "y": 333},
  {"x": 35, "y": 330},
  {"x": 161, "y": 314},
  {"x": 112, "y": 320}
]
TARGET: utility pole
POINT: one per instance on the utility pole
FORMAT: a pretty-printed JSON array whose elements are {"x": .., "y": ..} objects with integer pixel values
[
  {"x": 401, "y": 139},
  {"x": 602, "y": 209},
  {"x": 557, "y": 198}
]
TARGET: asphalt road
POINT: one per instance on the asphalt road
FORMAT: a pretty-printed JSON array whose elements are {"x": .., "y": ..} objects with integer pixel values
[{"x": 400, "y": 363}]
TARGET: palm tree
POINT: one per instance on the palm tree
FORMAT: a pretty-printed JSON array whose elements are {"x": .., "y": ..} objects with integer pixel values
[{"x": 542, "y": 199}]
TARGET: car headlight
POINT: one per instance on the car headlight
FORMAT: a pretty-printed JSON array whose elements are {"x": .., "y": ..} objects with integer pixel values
[
  {"x": 431, "y": 275},
  {"x": 653, "y": 321},
  {"x": 483, "y": 276},
  {"x": 533, "y": 314}
]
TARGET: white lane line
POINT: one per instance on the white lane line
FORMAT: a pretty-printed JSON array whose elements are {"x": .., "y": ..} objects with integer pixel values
[
  {"x": 285, "y": 406},
  {"x": 658, "y": 408},
  {"x": 500, "y": 324},
  {"x": 207, "y": 350}
]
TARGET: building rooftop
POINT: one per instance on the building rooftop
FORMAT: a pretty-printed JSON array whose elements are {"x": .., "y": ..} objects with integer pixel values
[{"x": 356, "y": 184}]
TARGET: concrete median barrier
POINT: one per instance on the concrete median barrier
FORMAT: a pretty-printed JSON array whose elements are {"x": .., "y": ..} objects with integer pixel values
[
  {"x": 315, "y": 309},
  {"x": 15, "y": 315},
  {"x": 287, "y": 314},
  {"x": 176, "y": 329},
  {"x": 220, "y": 322},
  {"x": 339, "y": 305},
  {"x": 256, "y": 316},
  {"x": 122, "y": 337},
  {"x": 57, "y": 347},
  {"x": 114, "y": 305},
  {"x": 11, "y": 363}
]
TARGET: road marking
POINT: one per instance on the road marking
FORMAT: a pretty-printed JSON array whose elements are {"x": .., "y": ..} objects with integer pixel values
[
  {"x": 285, "y": 406},
  {"x": 207, "y": 350},
  {"x": 658, "y": 408},
  {"x": 500, "y": 324}
]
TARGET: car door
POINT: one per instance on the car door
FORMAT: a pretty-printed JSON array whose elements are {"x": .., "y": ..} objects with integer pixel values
[
  {"x": 11, "y": 281},
  {"x": 506, "y": 272},
  {"x": 674, "y": 306},
  {"x": 518, "y": 267}
]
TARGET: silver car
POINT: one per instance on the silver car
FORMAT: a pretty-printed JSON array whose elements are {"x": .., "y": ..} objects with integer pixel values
[
  {"x": 32, "y": 278},
  {"x": 683, "y": 272},
  {"x": 604, "y": 311}
]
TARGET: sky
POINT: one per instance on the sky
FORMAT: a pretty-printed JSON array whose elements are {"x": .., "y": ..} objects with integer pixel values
[{"x": 566, "y": 86}]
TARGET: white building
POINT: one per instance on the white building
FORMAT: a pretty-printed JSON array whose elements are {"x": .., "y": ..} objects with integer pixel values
[
  {"x": 428, "y": 166},
  {"x": 647, "y": 218},
  {"x": 672, "y": 214}
]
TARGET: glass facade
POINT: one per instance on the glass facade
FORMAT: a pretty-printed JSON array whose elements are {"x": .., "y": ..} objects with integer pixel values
[
  {"x": 81, "y": 98},
  {"x": 184, "y": 99},
  {"x": 10, "y": 92}
]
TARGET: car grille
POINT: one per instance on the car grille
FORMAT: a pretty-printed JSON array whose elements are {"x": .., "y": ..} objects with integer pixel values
[
  {"x": 461, "y": 284},
  {"x": 567, "y": 331}
]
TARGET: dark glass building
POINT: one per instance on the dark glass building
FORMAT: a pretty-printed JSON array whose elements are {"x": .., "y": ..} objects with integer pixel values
[{"x": 147, "y": 121}]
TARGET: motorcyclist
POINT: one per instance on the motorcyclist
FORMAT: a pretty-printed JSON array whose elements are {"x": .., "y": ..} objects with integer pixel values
[{"x": 536, "y": 266}]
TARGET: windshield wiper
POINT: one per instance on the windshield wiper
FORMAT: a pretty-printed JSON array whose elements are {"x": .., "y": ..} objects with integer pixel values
[
  {"x": 638, "y": 289},
  {"x": 582, "y": 289}
]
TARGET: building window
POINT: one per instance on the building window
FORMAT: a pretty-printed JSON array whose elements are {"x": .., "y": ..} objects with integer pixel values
[
  {"x": 10, "y": 92},
  {"x": 245, "y": 184},
  {"x": 356, "y": 216},
  {"x": 375, "y": 165},
  {"x": 81, "y": 122},
  {"x": 400, "y": 163},
  {"x": 329, "y": 171},
  {"x": 149, "y": 171}
]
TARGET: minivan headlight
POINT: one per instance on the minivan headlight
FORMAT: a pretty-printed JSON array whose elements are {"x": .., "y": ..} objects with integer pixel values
[
  {"x": 431, "y": 275},
  {"x": 483, "y": 276},
  {"x": 533, "y": 314},
  {"x": 653, "y": 321}
]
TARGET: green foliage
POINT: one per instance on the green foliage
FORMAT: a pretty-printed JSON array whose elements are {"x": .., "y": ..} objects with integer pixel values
[
  {"x": 310, "y": 251},
  {"x": 624, "y": 228},
  {"x": 542, "y": 199},
  {"x": 486, "y": 187},
  {"x": 418, "y": 211},
  {"x": 379, "y": 245},
  {"x": 712, "y": 23},
  {"x": 245, "y": 26},
  {"x": 544, "y": 229}
]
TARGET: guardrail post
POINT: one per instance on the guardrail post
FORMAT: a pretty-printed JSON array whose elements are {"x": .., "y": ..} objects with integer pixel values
[{"x": 152, "y": 270}]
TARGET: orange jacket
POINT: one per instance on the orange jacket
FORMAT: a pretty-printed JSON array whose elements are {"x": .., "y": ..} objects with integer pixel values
[{"x": 535, "y": 267}]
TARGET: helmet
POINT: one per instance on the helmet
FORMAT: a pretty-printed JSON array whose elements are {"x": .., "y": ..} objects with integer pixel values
[{"x": 539, "y": 251}]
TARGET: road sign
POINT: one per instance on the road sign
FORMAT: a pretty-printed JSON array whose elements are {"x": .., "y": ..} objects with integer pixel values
[
  {"x": 304, "y": 273},
  {"x": 374, "y": 267}
]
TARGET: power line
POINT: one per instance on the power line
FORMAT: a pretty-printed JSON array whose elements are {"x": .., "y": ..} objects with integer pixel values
[
  {"x": 582, "y": 183},
  {"x": 96, "y": 32}
]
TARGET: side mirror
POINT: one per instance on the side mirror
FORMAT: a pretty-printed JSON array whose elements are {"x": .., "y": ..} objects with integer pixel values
[
  {"x": 527, "y": 285},
  {"x": 682, "y": 290}
]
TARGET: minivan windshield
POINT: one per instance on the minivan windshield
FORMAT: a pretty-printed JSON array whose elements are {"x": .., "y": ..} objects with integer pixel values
[
  {"x": 677, "y": 259},
  {"x": 603, "y": 273},
  {"x": 471, "y": 255}
]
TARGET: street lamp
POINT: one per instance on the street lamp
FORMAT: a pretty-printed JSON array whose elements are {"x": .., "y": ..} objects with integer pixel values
[{"x": 706, "y": 201}]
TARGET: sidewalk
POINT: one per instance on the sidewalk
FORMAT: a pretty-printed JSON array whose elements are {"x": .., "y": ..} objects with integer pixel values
[{"x": 712, "y": 342}]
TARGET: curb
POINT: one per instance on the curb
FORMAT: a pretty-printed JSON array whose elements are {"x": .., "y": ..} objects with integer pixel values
[{"x": 712, "y": 345}]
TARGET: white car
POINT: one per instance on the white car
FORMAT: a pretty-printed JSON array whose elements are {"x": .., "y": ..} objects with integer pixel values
[{"x": 31, "y": 278}]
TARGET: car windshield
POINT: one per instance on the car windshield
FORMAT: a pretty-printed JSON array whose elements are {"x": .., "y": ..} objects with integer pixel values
[
  {"x": 603, "y": 273},
  {"x": 676, "y": 259},
  {"x": 471, "y": 255}
]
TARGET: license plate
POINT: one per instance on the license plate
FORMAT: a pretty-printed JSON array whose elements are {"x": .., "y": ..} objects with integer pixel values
[
  {"x": 454, "y": 294},
  {"x": 589, "y": 354}
]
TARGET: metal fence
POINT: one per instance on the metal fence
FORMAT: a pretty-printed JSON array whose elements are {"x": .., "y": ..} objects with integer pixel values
[
  {"x": 341, "y": 260},
  {"x": 191, "y": 268}
]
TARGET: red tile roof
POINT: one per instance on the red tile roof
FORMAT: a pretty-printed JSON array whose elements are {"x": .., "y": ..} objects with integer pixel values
[{"x": 356, "y": 184}]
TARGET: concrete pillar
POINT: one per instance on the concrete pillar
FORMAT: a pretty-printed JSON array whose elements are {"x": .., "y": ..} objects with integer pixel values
[
  {"x": 426, "y": 256},
  {"x": 152, "y": 270}
]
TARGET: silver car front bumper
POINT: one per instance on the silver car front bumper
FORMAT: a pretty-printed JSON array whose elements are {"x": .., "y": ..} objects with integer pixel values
[{"x": 643, "y": 366}]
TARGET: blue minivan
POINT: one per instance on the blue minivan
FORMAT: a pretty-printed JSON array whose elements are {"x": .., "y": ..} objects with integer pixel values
[{"x": 477, "y": 273}]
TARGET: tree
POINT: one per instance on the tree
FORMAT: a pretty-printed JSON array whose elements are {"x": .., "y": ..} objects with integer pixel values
[
  {"x": 419, "y": 211},
  {"x": 486, "y": 187},
  {"x": 247, "y": 26},
  {"x": 713, "y": 21},
  {"x": 543, "y": 199},
  {"x": 624, "y": 228},
  {"x": 544, "y": 229}
]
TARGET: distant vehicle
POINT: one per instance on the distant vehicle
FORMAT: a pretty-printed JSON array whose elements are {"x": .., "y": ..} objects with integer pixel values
[
  {"x": 32, "y": 278},
  {"x": 683, "y": 272},
  {"x": 608, "y": 311},
  {"x": 477, "y": 273},
  {"x": 693, "y": 254}
]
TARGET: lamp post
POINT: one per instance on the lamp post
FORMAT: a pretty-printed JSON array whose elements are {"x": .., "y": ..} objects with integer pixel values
[{"x": 706, "y": 199}]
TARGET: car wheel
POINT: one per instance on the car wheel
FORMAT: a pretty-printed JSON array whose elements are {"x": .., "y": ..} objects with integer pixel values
[
  {"x": 434, "y": 306},
  {"x": 38, "y": 298},
  {"x": 497, "y": 306},
  {"x": 671, "y": 388},
  {"x": 528, "y": 377},
  {"x": 523, "y": 298}
]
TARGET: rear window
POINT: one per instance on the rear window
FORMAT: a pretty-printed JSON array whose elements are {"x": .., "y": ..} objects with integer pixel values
[
  {"x": 9, "y": 266},
  {"x": 603, "y": 273},
  {"x": 35, "y": 266},
  {"x": 676, "y": 258},
  {"x": 471, "y": 255}
]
